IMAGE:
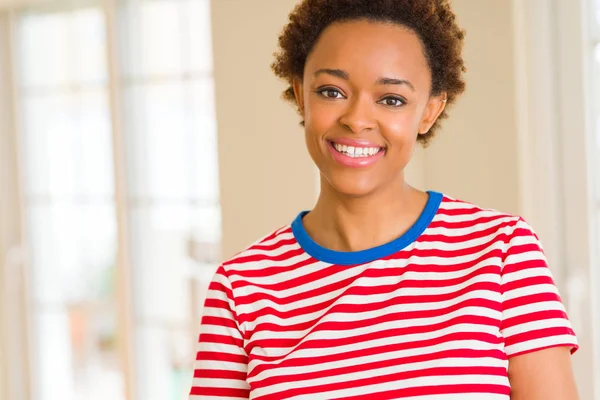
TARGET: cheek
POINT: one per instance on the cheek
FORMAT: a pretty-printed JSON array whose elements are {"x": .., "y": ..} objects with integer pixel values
[
  {"x": 320, "y": 117},
  {"x": 400, "y": 127},
  {"x": 317, "y": 122}
]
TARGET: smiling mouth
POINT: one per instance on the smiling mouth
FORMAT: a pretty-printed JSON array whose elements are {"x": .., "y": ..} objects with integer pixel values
[{"x": 356, "y": 151}]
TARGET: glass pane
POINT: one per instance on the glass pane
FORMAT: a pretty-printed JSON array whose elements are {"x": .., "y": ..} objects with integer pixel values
[
  {"x": 158, "y": 145},
  {"x": 198, "y": 31},
  {"x": 74, "y": 250},
  {"x": 50, "y": 124},
  {"x": 186, "y": 239},
  {"x": 160, "y": 235},
  {"x": 89, "y": 46},
  {"x": 203, "y": 142},
  {"x": 172, "y": 141},
  {"x": 163, "y": 357},
  {"x": 206, "y": 225},
  {"x": 73, "y": 282},
  {"x": 68, "y": 144},
  {"x": 203, "y": 104},
  {"x": 55, "y": 368},
  {"x": 37, "y": 116},
  {"x": 95, "y": 143},
  {"x": 44, "y": 49},
  {"x": 168, "y": 151},
  {"x": 76, "y": 356},
  {"x": 165, "y": 262},
  {"x": 61, "y": 48},
  {"x": 161, "y": 34}
]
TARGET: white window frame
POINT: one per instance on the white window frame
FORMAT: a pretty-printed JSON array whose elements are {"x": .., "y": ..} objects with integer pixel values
[
  {"x": 24, "y": 389},
  {"x": 14, "y": 345}
]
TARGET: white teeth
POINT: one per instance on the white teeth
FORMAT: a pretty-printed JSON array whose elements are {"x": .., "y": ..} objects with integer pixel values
[{"x": 355, "y": 152}]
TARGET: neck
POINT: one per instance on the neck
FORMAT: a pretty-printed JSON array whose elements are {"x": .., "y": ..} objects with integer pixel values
[{"x": 346, "y": 223}]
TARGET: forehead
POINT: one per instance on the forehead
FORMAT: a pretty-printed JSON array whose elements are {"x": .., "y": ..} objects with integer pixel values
[{"x": 370, "y": 50}]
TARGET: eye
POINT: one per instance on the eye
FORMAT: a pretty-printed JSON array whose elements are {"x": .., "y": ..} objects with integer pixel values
[
  {"x": 330, "y": 93},
  {"x": 392, "y": 101}
]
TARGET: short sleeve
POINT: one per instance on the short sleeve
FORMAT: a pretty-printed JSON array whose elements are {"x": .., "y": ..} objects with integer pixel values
[
  {"x": 533, "y": 315},
  {"x": 221, "y": 363}
]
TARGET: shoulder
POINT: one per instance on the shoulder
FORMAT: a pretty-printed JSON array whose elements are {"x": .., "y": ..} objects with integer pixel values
[
  {"x": 270, "y": 247},
  {"x": 464, "y": 221},
  {"x": 459, "y": 214}
]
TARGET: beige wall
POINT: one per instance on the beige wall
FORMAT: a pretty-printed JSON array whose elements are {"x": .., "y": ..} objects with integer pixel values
[
  {"x": 266, "y": 174},
  {"x": 475, "y": 155}
]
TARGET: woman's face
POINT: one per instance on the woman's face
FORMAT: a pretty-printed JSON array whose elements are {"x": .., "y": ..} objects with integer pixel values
[{"x": 365, "y": 97}]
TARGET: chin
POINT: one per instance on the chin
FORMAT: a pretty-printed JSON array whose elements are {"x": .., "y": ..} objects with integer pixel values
[{"x": 350, "y": 186}]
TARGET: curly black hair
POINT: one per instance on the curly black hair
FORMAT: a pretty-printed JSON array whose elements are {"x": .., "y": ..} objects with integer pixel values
[{"x": 433, "y": 21}]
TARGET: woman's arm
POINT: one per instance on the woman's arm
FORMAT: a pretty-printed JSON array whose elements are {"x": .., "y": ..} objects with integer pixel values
[
  {"x": 542, "y": 375},
  {"x": 221, "y": 364},
  {"x": 538, "y": 336}
]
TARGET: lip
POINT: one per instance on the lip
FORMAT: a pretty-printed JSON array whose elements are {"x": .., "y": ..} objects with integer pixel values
[{"x": 358, "y": 162}]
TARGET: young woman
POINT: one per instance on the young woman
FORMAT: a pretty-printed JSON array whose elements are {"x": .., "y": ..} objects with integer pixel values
[{"x": 382, "y": 291}]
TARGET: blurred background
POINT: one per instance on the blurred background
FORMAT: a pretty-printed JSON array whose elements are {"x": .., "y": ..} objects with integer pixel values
[{"x": 144, "y": 141}]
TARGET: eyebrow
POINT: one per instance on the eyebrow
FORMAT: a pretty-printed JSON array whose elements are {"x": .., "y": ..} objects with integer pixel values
[
  {"x": 340, "y": 73},
  {"x": 393, "y": 81}
]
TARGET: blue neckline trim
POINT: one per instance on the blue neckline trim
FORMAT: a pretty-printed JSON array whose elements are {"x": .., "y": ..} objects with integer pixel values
[{"x": 372, "y": 254}]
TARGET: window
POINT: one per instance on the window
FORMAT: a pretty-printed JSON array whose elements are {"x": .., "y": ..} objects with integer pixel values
[
  {"x": 165, "y": 85},
  {"x": 69, "y": 203},
  {"x": 167, "y": 82}
]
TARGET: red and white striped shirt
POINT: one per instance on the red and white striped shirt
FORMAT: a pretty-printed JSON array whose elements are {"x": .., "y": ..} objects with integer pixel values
[{"x": 434, "y": 314}]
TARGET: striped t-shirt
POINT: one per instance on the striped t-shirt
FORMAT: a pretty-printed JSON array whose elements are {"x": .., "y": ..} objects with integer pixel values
[{"x": 434, "y": 314}]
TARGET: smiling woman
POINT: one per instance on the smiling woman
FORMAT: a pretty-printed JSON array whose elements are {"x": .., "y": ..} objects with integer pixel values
[{"x": 382, "y": 291}]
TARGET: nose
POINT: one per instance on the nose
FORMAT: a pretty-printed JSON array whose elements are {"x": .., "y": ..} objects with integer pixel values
[{"x": 359, "y": 116}]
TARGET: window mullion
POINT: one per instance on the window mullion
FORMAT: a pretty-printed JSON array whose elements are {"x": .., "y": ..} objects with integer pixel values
[
  {"x": 124, "y": 265},
  {"x": 25, "y": 298}
]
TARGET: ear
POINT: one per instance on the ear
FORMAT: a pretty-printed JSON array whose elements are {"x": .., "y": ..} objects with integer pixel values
[
  {"x": 298, "y": 87},
  {"x": 434, "y": 108}
]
